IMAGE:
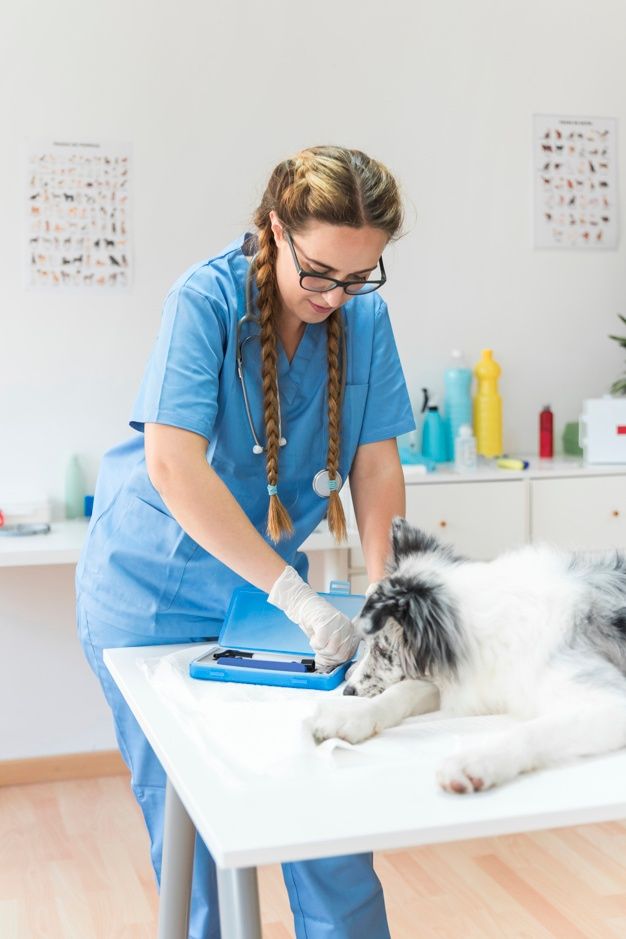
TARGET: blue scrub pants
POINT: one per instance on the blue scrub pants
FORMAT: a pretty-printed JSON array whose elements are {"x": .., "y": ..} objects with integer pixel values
[{"x": 337, "y": 897}]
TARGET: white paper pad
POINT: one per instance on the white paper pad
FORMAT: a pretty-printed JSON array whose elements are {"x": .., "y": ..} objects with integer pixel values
[{"x": 262, "y": 730}]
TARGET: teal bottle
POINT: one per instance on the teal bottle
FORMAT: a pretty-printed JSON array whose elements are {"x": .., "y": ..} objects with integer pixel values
[
  {"x": 434, "y": 431},
  {"x": 458, "y": 397}
]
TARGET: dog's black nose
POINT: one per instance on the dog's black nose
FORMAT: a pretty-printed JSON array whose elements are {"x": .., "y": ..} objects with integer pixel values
[{"x": 349, "y": 689}]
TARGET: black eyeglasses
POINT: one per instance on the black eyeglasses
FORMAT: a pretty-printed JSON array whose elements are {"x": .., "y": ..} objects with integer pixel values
[{"x": 320, "y": 283}]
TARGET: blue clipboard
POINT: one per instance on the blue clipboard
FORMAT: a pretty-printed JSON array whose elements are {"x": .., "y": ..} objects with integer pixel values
[{"x": 254, "y": 626}]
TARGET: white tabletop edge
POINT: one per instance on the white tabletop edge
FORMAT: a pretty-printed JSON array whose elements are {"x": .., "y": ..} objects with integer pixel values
[
  {"x": 407, "y": 838},
  {"x": 602, "y": 778}
]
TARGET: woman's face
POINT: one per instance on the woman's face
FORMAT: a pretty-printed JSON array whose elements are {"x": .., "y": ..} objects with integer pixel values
[{"x": 341, "y": 252}]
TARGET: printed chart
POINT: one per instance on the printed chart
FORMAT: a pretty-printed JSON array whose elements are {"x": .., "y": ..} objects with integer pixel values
[
  {"x": 78, "y": 215},
  {"x": 575, "y": 175}
]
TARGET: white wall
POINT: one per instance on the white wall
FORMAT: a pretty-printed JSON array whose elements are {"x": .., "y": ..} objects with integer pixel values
[{"x": 211, "y": 97}]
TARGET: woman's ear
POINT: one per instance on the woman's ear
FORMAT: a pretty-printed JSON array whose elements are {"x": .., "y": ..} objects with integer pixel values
[{"x": 277, "y": 227}]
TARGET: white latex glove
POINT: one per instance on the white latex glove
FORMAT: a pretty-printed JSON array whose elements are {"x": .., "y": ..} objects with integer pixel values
[{"x": 330, "y": 632}]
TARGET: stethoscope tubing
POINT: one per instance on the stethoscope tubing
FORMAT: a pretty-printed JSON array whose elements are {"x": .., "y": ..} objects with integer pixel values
[
  {"x": 322, "y": 476},
  {"x": 258, "y": 448}
]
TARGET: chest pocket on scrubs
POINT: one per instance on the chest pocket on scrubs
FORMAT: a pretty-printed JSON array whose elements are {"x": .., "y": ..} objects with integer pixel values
[
  {"x": 144, "y": 553},
  {"x": 354, "y": 398}
]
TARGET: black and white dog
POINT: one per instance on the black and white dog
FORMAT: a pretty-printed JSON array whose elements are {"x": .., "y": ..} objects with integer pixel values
[{"x": 537, "y": 633}]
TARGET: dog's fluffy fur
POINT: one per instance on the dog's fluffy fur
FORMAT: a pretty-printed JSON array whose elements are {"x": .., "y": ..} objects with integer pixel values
[{"x": 537, "y": 633}]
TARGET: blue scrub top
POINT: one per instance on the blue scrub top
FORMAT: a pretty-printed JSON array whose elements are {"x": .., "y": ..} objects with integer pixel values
[{"x": 139, "y": 570}]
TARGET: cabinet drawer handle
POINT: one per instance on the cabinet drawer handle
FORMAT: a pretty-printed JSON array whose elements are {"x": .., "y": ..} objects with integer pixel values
[
  {"x": 442, "y": 523},
  {"x": 615, "y": 513}
]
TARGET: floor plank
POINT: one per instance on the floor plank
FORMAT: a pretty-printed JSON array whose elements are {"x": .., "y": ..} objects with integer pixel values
[{"x": 74, "y": 863}]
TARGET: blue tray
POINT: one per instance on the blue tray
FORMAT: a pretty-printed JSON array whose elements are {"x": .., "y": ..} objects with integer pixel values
[{"x": 254, "y": 625}]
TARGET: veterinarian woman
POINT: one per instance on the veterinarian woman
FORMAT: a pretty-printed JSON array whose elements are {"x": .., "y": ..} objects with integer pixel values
[{"x": 230, "y": 472}]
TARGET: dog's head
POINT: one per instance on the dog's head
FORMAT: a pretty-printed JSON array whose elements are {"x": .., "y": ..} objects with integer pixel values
[{"x": 409, "y": 621}]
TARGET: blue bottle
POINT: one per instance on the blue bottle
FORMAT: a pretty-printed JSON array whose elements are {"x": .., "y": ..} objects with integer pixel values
[
  {"x": 434, "y": 433},
  {"x": 458, "y": 397}
]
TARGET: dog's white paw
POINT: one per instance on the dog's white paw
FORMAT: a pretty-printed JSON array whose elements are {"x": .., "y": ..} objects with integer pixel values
[
  {"x": 471, "y": 771},
  {"x": 350, "y": 719}
]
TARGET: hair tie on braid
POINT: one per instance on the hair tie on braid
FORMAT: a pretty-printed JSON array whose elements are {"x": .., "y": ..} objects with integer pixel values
[
  {"x": 332, "y": 485},
  {"x": 272, "y": 490}
]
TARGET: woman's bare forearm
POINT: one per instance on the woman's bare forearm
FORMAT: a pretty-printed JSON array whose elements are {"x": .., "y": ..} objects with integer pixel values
[
  {"x": 204, "y": 506},
  {"x": 378, "y": 494}
]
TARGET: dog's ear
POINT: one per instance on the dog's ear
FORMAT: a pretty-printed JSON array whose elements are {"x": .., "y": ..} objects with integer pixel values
[
  {"x": 383, "y": 603},
  {"x": 397, "y": 598},
  {"x": 405, "y": 539},
  {"x": 428, "y": 620}
]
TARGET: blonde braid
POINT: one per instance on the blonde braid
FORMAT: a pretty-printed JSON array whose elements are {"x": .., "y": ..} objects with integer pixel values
[
  {"x": 278, "y": 520},
  {"x": 336, "y": 516},
  {"x": 338, "y": 186}
]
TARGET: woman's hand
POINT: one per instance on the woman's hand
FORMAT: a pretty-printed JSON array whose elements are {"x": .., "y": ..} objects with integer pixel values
[{"x": 330, "y": 633}]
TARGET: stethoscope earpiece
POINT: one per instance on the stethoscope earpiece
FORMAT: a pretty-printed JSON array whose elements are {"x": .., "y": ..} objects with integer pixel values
[{"x": 257, "y": 448}]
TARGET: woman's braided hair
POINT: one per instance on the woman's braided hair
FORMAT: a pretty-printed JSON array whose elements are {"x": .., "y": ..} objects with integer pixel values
[{"x": 340, "y": 187}]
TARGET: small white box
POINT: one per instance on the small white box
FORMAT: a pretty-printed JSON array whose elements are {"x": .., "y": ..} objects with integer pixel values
[
  {"x": 22, "y": 513},
  {"x": 602, "y": 430}
]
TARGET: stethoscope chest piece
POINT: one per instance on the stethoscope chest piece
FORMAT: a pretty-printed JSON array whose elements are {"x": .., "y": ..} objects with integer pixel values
[{"x": 321, "y": 483}]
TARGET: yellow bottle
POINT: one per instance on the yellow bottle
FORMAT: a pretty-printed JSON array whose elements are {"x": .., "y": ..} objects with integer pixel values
[{"x": 488, "y": 406}]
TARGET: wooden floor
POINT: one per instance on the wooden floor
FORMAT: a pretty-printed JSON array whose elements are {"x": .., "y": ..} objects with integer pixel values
[{"x": 74, "y": 865}]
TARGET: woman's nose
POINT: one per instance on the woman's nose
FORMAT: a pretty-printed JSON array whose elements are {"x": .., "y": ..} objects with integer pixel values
[{"x": 334, "y": 296}]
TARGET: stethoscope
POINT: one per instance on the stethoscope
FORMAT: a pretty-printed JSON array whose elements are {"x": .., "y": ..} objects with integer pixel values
[{"x": 322, "y": 484}]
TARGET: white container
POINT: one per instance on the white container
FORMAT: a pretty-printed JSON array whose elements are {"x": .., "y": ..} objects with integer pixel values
[
  {"x": 465, "y": 450},
  {"x": 74, "y": 489},
  {"x": 602, "y": 430},
  {"x": 20, "y": 512}
]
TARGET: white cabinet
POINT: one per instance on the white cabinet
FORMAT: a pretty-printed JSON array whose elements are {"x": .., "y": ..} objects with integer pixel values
[
  {"x": 480, "y": 519},
  {"x": 586, "y": 512},
  {"x": 562, "y": 502}
]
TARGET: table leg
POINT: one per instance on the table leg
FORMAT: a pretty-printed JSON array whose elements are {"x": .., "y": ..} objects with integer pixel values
[
  {"x": 239, "y": 903},
  {"x": 176, "y": 868}
]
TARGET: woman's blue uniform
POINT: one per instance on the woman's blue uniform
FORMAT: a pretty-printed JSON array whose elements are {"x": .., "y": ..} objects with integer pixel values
[{"x": 142, "y": 581}]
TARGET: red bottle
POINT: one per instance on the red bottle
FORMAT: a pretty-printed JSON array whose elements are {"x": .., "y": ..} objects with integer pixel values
[{"x": 546, "y": 433}]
